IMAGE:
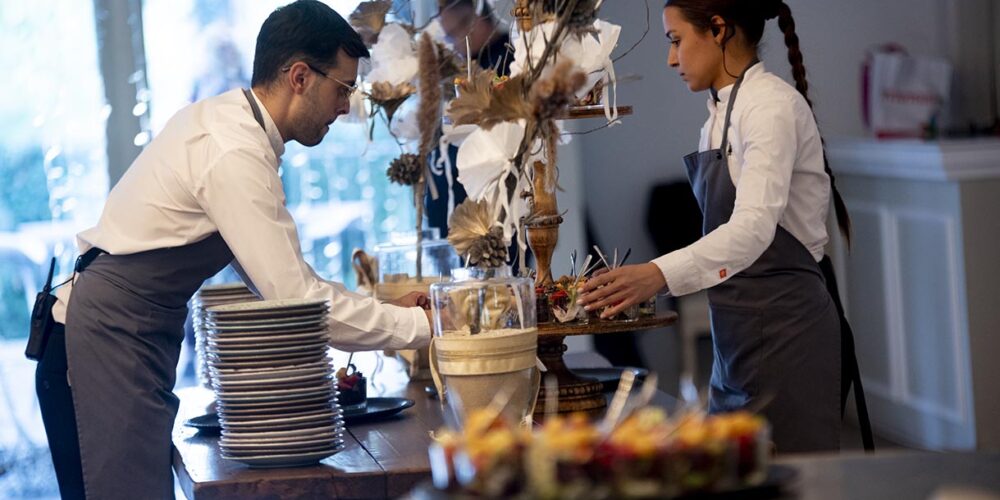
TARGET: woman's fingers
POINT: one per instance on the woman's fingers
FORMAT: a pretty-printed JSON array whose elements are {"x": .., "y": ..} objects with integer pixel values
[
  {"x": 624, "y": 303},
  {"x": 599, "y": 278},
  {"x": 611, "y": 299}
]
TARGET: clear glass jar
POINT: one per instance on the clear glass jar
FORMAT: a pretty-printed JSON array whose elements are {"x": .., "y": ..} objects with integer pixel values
[
  {"x": 486, "y": 342},
  {"x": 483, "y": 301},
  {"x": 397, "y": 264}
]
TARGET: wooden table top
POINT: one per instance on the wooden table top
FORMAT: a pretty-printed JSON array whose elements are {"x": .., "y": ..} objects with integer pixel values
[
  {"x": 388, "y": 458},
  {"x": 382, "y": 459}
]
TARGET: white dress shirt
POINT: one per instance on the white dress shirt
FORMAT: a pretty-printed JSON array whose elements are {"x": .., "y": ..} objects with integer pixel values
[
  {"x": 776, "y": 164},
  {"x": 213, "y": 168}
]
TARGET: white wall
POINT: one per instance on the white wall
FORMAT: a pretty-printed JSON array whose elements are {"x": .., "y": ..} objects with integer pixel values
[{"x": 620, "y": 164}]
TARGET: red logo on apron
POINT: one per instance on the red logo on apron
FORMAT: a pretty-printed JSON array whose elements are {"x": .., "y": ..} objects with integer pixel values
[{"x": 722, "y": 273}]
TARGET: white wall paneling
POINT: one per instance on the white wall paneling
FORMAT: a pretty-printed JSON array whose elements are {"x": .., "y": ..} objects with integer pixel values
[{"x": 909, "y": 279}]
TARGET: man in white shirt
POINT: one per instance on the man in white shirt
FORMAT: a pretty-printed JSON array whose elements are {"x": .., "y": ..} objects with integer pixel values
[{"x": 203, "y": 194}]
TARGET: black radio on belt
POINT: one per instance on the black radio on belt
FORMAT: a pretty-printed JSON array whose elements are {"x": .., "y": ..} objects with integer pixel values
[{"x": 41, "y": 313}]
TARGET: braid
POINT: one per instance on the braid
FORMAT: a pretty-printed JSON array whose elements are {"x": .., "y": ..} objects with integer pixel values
[{"x": 787, "y": 25}]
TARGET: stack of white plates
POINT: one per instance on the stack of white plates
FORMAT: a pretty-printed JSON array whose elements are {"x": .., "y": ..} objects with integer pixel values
[
  {"x": 209, "y": 296},
  {"x": 274, "y": 384}
]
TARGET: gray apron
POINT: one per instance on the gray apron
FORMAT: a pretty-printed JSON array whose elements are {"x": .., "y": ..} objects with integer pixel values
[
  {"x": 775, "y": 328},
  {"x": 124, "y": 327}
]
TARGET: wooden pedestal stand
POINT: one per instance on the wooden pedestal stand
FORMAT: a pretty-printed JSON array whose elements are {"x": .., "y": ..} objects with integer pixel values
[
  {"x": 578, "y": 393},
  {"x": 575, "y": 393}
]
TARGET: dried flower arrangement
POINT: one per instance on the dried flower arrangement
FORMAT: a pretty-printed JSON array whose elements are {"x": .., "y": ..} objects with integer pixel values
[
  {"x": 508, "y": 160},
  {"x": 405, "y": 62},
  {"x": 507, "y": 129}
]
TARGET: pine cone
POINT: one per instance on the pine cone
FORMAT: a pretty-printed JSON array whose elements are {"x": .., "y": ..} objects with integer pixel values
[
  {"x": 405, "y": 170},
  {"x": 490, "y": 250}
]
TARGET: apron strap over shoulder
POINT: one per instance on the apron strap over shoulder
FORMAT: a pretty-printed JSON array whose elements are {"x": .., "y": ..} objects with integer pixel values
[
  {"x": 255, "y": 108},
  {"x": 729, "y": 108}
]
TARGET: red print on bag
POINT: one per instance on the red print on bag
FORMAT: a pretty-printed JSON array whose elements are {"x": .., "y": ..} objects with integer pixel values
[{"x": 722, "y": 273}]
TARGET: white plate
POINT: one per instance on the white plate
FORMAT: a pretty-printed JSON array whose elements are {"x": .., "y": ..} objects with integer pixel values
[
  {"x": 275, "y": 395},
  {"x": 268, "y": 362},
  {"x": 268, "y": 377},
  {"x": 265, "y": 315},
  {"x": 286, "y": 383},
  {"x": 274, "y": 410},
  {"x": 246, "y": 373},
  {"x": 245, "y": 448},
  {"x": 244, "y": 346},
  {"x": 241, "y": 450},
  {"x": 268, "y": 337},
  {"x": 290, "y": 324},
  {"x": 275, "y": 305},
  {"x": 317, "y": 317},
  {"x": 237, "y": 338},
  {"x": 204, "y": 302},
  {"x": 237, "y": 438},
  {"x": 252, "y": 354},
  {"x": 278, "y": 435},
  {"x": 258, "y": 348},
  {"x": 261, "y": 376},
  {"x": 222, "y": 287},
  {"x": 325, "y": 384},
  {"x": 244, "y": 295},
  {"x": 290, "y": 416},
  {"x": 263, "y": 404},
  {"x": 319, "y": 314},
  {"x": 284, "y": 305},
  {"x": 289, "y": 460},
  {"x": 307, "y": 441},
  {"x": 319, "y": 423}
]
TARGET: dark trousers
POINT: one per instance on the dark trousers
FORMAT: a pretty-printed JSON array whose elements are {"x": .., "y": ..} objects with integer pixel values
[{"x": 56, "y": 402}]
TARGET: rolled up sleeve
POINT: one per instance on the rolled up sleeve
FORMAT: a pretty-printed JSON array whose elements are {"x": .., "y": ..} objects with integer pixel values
[{"x": 242, "y": 194}]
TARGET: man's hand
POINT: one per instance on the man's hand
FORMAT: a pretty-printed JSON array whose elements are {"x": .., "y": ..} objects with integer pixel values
[
  {"x": 416, "y": 299},
  {"x": 413, "y": 299},
  {"x": 621, "y": 288}
]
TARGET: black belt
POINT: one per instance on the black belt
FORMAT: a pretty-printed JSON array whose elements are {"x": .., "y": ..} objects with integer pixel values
[{"x": 84, "y": 260}]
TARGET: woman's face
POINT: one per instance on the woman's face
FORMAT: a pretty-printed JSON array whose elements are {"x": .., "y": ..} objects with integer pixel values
[{"x": 694, "y": 53}]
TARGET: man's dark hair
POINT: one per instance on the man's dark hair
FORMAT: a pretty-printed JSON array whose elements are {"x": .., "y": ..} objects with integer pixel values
[{"x": 305, "y": 29}]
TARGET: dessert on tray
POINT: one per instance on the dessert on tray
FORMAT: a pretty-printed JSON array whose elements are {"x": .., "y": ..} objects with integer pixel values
[
  {"x": 649, "y": 454},
  {"x": 353, "y": 388}
]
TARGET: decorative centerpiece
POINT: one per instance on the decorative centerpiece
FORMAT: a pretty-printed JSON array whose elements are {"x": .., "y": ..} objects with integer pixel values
[{"x": 507, "y": 131}]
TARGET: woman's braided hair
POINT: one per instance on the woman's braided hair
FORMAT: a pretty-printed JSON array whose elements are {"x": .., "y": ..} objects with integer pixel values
[{"x": 750, "y": 16}]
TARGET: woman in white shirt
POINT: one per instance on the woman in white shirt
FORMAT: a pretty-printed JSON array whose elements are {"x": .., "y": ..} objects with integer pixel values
[{"x": 764, "y": 187}]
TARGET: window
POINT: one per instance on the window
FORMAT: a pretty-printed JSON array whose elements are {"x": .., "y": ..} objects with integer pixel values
[
  {"x": 54, "y": 170},
  {"x": 337, "y": 190}
]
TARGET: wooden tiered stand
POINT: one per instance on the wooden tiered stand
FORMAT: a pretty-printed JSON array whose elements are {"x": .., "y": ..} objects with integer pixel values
[{"x": 576, "y": 393}]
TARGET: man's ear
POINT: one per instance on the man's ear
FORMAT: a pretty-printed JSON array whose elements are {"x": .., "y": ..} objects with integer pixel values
[{"x": 297, "y": 77}]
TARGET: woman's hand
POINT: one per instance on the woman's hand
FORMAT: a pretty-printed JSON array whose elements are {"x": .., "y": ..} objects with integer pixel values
[{"x": 621, "y": 288}]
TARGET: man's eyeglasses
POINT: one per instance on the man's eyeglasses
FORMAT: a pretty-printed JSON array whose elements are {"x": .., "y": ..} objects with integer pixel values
[{"x": 345, "y": 91}]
